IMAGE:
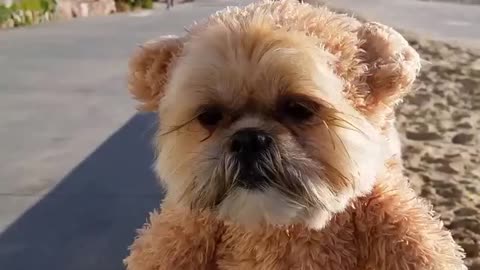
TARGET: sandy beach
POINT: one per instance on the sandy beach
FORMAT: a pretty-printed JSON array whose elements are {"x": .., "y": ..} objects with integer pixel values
[
  {"x": 440, "y": 126},
  {"x": 467, "y": 2}
]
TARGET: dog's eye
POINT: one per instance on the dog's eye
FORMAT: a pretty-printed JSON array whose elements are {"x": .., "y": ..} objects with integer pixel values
[
  {"x": 297, "y": 111},
  {"x": 210, "y": 117}
]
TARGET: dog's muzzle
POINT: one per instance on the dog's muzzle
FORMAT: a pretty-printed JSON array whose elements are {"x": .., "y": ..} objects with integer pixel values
[{"x": 250, "y": 147}]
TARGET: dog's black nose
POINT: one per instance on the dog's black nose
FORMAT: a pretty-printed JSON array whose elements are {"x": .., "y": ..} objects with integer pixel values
[{"x": 250, "y": 141}]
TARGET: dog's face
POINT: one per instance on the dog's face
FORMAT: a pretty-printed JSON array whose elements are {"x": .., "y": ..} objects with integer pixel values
[{"x": 255, "y": 125}]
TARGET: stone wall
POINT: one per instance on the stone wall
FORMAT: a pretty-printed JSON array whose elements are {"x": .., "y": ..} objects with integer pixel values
[{"x": 67, "y": 9}]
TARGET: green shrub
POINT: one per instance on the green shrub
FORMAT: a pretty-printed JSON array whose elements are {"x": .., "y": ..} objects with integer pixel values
[
  {"x": 35, "y": 5},
  {"x": 137, "y": 3},
  {"x": 133, "y": 4},
  {"x": 26, "y": 12},
  {"x": 30, "y": 5},
  {"x": 48, "y": 5},
  {"x": 5, "y": 13},
  {"x": 147, "y": 4}
]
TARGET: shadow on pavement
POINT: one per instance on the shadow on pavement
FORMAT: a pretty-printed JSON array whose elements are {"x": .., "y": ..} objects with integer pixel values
[{"x": 90, "y": 218}]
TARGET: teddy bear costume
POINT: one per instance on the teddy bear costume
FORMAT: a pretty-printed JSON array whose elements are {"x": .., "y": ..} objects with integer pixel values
[{"x": 388, "y": 228}]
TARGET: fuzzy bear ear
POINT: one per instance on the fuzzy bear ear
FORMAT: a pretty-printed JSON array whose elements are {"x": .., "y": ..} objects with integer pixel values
[
  {"x": 392, "y": 65},
  {"x": 149, "y": 70}
]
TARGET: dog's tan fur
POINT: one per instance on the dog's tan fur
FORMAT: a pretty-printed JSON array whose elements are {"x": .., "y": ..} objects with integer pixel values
[
  {"x": 388, "y": 229},
  {"x": 337, "y": 199}
]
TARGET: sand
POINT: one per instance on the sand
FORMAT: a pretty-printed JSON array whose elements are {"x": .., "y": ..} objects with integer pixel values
[
  {"x": 439, "y": 125},
  {"x": 467, "y": 2}
]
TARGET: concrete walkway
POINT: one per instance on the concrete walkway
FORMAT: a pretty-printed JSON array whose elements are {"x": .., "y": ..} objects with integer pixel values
[
  {"x": 75, "y": 178},
  {"x": 436, "y": 20}
]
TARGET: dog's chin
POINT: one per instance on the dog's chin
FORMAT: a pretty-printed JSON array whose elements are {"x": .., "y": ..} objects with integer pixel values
[{"x": 256, "y": 207}]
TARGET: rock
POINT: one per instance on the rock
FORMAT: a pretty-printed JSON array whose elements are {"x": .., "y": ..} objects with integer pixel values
[
  {"x": 67, "y": 9},
  {"x": 84, "y": 10},
  {"x": 462, "y": 138},
  {"x": 18, "y": 18},
  {"x": 46, "y": 17},
  {"x": 422, "y": 136},
  {"x": 28, "y": 17},
  {"x": 9, "y": 23},
  {"x": 64, "y": 9},
  {"x": 36, "y": 17},
  {"x": 102, "y": 7}
]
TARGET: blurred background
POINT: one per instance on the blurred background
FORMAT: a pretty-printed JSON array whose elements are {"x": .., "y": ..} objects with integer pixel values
[{"x": 75, "y": 157}]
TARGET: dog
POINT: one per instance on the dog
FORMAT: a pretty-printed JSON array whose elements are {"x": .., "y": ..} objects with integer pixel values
[
  {"x": 274, "y": 115},
  {"x": 255, "y": 125}
]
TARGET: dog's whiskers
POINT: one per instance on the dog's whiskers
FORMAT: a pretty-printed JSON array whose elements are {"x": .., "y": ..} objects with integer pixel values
[
  {"x": 330, "y": 134},
  {"x": 335, "y": 121},
  {"x": 343, "y": 145},
  {"x": 336, "y": 174}
]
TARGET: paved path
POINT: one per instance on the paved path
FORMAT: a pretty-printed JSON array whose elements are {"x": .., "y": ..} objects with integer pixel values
[
  {"x": 442, "y": 21},
  {"x": 75, "y": 179}
]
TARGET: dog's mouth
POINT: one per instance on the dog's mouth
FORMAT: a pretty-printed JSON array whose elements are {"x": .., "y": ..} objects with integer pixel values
[
  {"x": 254, "y": 153},
  {"x": 255, "y": 175},
  {"x": 260, "y": 170}
]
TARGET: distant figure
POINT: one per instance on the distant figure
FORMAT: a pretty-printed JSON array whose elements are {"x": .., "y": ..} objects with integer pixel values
[{"x": 169, "y": 4}]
